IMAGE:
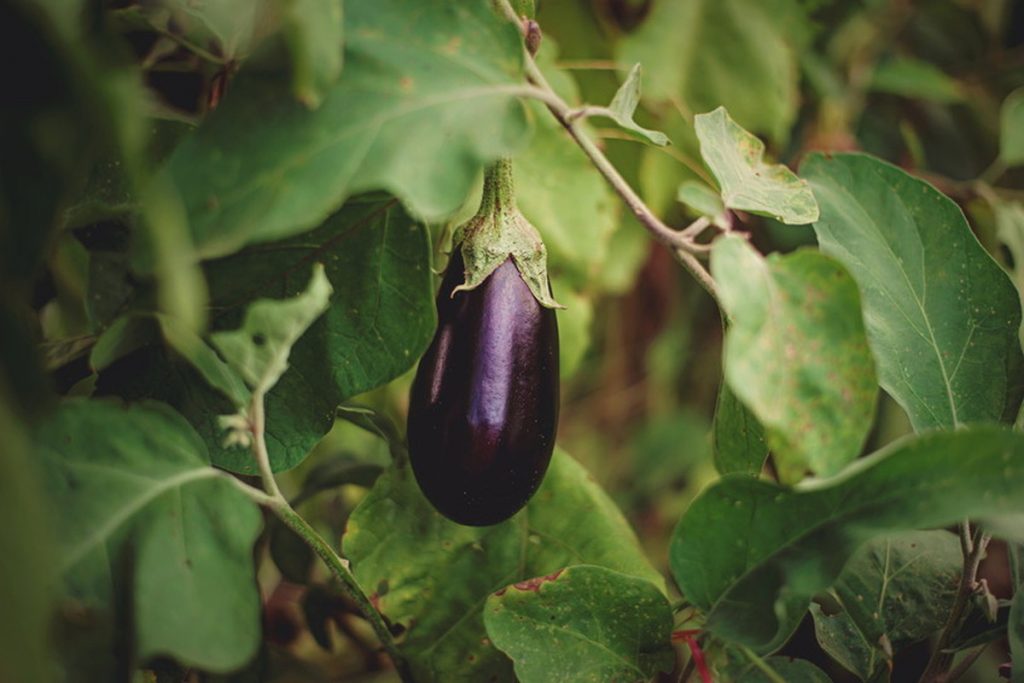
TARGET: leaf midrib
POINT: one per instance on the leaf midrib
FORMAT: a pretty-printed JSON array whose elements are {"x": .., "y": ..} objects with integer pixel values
[{"x": 129, "y": 509}]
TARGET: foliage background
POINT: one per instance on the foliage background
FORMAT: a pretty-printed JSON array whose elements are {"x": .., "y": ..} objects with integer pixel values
[{"x": 107, "y": 213}]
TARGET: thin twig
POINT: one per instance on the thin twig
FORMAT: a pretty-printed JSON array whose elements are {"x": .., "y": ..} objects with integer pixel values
[
  {"x": 965, "y": 664},
  {"x": 683, "y": 246},
  {"x": 273, "y": 499}
]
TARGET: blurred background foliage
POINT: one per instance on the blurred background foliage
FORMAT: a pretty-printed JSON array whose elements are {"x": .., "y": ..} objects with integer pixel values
[{"x": 85, "y": 222}]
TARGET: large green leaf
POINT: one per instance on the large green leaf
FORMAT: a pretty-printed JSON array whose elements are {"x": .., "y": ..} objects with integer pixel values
[
  {"x": 583, "y": 623},
  {"x": 314, "y": 31},
  {"x": 796, "y": 354},
  {"x": 752, "y": 553},
  {"x": 138, "y": 505},
  {"x": 380, "y": 320},
  {"x": 942, "y": 317},
  {"x": 706, "y": 53},
  {"x": 895, "y": 591},
  {"x": 432, "y": 576},
  {"x": 749, "y": 183},
  {"x": 426, "y": 98}
]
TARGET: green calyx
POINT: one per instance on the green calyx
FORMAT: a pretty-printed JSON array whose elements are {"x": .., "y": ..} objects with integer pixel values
[{"x": 498, "y": 231}]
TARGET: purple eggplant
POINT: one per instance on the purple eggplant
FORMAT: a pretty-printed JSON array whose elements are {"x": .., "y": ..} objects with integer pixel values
[{"x": 484, "y": 404}]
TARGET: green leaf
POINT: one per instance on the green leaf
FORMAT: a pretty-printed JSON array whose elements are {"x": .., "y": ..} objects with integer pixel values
[
  {"x": 914, "y": 78},
  {"x": 706, "y": 53},
  {"x": 1010, "y": 231},
  {"x": 231, "y": 27},
  {"x": 796, "y": 354},
  {"x": 623, "y": 107},
  {"x": 378, "y": 324},
  {"x": 739, "y": 445},
  {"x": 703, "y": 200},
  {"x": 259, "y": 349},
  {"x": 138, "y": 505},
  {"x": 563, "y": 195},
  {"x": 574, "y": 324},
  {"x": 736, "y": 158},
  {"x": 437, "y": 574},
  {"x": 27, "y": 568},
  {"x": 941, "y": 315},
  {"x": 314, "y": 31},
  {"x": 754, "y": 574},
  {"x": 214, "y": 370},
  {"x": 427, "y": 97},
  {"x": 334, "y": 471},
  {"x": 1011, "y": 140},
  {"x": 895, "y": 591},
  {"x": 781, "y": 668},
  {"x": 379, "y": 425},
  {"x": 582, "y": 623}
]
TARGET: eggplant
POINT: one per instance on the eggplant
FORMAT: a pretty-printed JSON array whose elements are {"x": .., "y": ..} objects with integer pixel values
[{"x": 483, "y": 410}]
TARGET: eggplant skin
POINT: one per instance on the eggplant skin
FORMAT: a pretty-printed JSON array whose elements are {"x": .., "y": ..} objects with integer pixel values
[{"x": 483, "y": 410}]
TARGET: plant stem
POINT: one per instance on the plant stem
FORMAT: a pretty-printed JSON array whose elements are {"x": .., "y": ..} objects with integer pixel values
[
  {"x": 973, "y": 548},
  {"x": 683, "y": 246},
  {"x": 273, "y": 499},
  {"x": 339, "y": 568},
  {"x": 965, "y": 664},
  {"x": 762, "y": 665},
  {"x": 257, "y": 416}
]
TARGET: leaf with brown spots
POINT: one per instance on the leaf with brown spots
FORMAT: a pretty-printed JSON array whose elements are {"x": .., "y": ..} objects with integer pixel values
[
  {"x": 582, "y": 625},
  {"x": 797, "y": 355},
  {"x": 439, "y": 574}
]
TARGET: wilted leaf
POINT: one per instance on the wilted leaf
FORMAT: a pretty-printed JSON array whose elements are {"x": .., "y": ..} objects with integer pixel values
[
  {"x": 259, "y": 349},
  {"x": 748, "y": 183},
  {"x": 623, "y": 107}
]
